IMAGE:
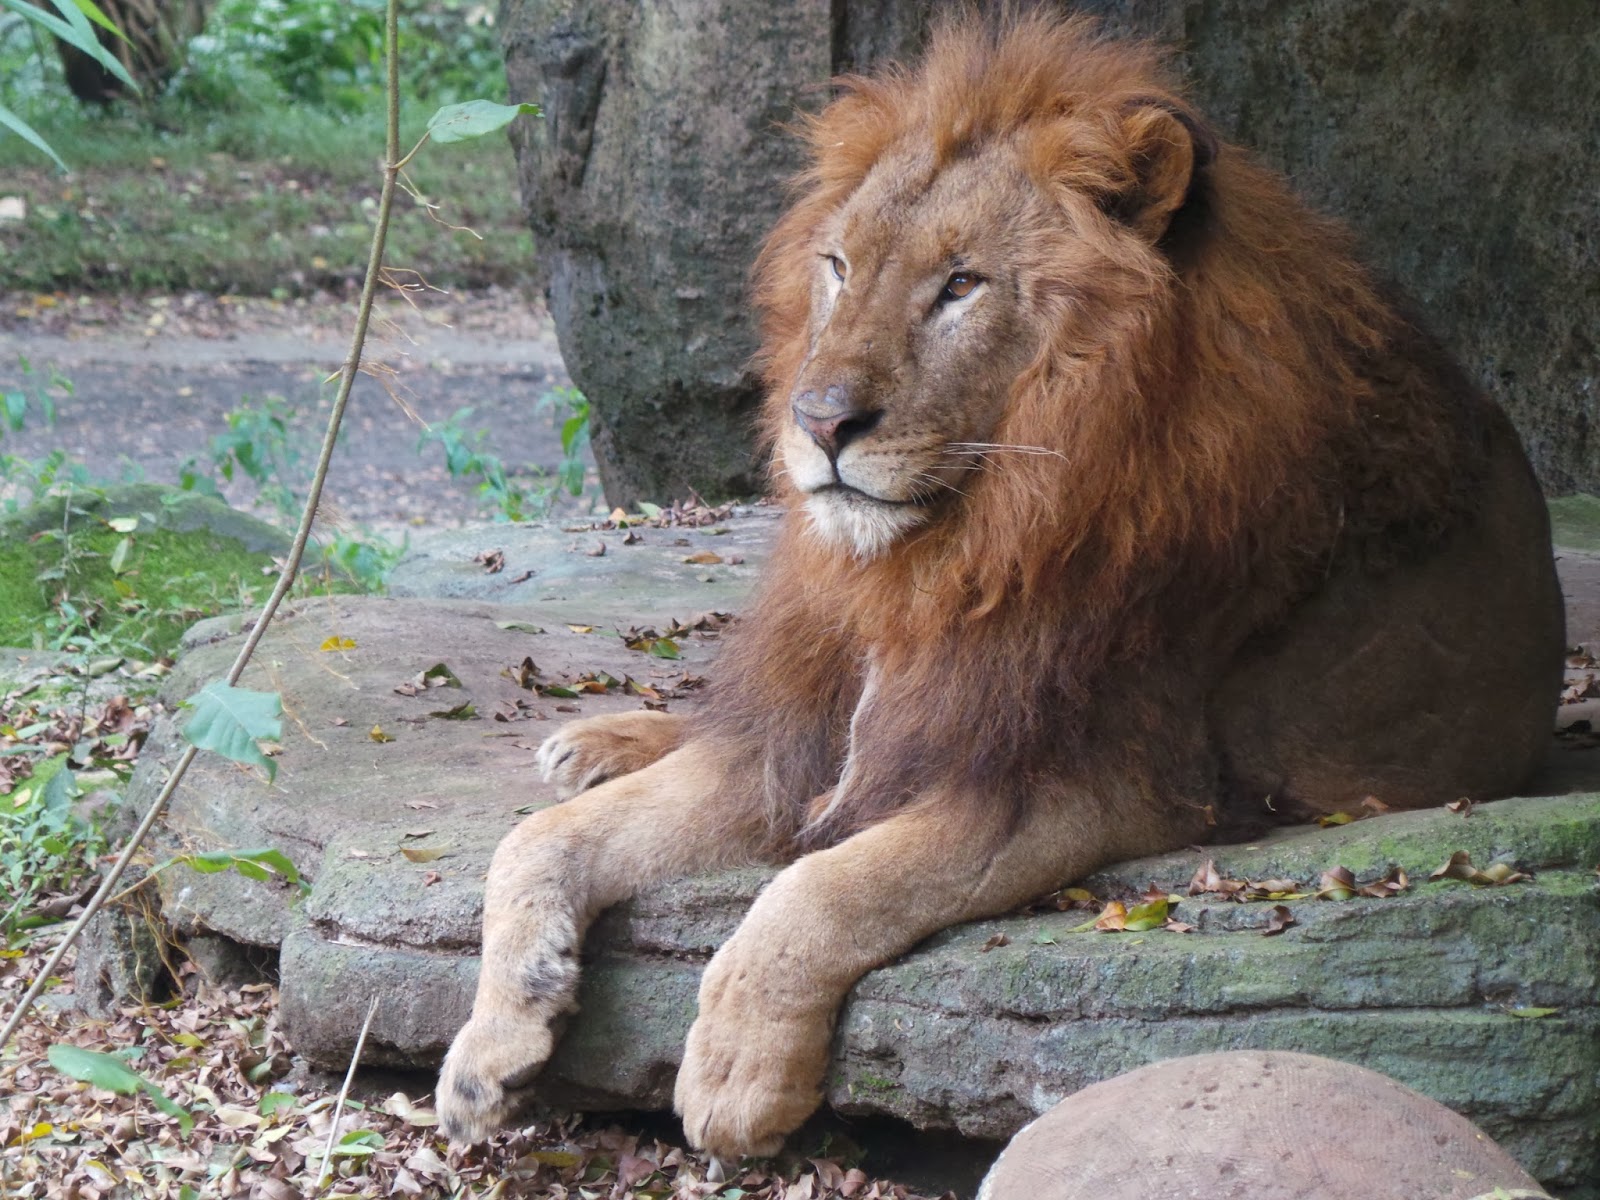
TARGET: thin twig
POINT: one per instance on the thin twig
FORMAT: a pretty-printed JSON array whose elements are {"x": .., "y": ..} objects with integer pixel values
[
  {"x": 291, "y": 567},
  {"x": 344, "y": 1091}
]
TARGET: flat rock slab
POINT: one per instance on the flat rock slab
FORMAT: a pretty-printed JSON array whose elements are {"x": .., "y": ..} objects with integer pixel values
[
  {"x": 982, "y": 1027},
  {"x": 621, "y": 576}
]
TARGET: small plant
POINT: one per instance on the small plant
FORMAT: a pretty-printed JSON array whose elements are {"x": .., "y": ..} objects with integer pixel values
[
  {"x": 260, "y": 446},
  {"x": 465, "y": 458},
  {"x": 34, "y": 478},
  {"x": 512, "y": 498},
  {"x": 45, "y": 848},
  {"x": 571, "y": 408},
  {"x": 264, "y": 444}
]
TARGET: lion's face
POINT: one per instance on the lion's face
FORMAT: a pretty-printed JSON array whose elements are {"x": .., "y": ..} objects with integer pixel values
[{"x": 919, "y": 324}]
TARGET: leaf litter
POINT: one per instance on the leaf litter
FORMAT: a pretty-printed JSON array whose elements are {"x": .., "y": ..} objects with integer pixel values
[{"x": 218, "y": 1057}]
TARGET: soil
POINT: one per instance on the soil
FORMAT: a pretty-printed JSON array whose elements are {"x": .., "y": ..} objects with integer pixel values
[{"x": 153, "y": 379}]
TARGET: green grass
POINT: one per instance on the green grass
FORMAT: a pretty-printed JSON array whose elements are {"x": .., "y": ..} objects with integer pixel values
[{"x": 267, "y": 198}]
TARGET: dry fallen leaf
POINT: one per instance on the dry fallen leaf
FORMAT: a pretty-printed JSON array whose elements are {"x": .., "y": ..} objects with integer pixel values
[
  {"x": 705, "y": 558},
  {"x": 1336, "y": 884},
  {"x": 1494, "y": 875},
  {"x": 1207, "y": 880},
  {"x": 1277, "y": 921},
  {"x": 994, "y": 943}
]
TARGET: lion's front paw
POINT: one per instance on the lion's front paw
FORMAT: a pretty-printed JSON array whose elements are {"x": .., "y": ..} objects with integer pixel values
[
  {"x": 752, "y": 1070},
  {"x": 485, "y": 1076},
  {"x": 583, "y": 753}
]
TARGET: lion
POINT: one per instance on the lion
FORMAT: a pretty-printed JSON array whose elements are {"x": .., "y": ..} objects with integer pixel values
[{"x": 1123, "y": 506}]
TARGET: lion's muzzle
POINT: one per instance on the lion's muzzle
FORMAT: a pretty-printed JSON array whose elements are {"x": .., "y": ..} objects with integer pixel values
[{"x": 832, "y": 420}]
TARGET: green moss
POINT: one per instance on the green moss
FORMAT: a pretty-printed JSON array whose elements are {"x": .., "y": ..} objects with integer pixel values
[
  {"x": 1575, "y": 522},
  {"x": 177, "y": 558},
  {"x": 874, "y": 1083}
]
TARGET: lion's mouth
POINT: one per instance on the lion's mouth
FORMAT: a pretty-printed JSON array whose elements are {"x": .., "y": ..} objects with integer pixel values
[{"x": 854, "y": 495}]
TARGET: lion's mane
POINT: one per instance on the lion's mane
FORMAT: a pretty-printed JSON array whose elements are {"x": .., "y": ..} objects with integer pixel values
[{"x": 1221, "y": 411}]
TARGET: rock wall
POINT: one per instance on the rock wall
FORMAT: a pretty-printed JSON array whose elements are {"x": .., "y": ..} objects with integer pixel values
[
  {"x": 649, "y": 184},
  {"x": 1462, "y": 140},
  {"x": 1460, "y": 137}
]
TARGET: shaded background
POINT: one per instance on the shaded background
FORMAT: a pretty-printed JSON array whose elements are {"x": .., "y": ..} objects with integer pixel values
[{"x": 1460, "y": 137}]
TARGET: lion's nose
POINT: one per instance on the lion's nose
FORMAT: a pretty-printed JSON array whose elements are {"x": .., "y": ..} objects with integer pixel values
[{"x": 831, "y": 420}]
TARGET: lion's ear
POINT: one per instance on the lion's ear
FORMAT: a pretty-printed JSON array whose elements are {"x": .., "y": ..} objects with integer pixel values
[{"x": 1168, "y": 148}]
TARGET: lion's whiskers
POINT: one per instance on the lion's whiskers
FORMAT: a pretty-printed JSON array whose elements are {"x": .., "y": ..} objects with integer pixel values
[
  {"x": 982, "y": 448},
  {"x": 944, "y": 483}
]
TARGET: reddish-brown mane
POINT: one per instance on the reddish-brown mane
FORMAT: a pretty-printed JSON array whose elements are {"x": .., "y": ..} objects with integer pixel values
[{"x": 1207, "y": 401}]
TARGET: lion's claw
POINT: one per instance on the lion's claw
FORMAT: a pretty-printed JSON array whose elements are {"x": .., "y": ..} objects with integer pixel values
[{"x": 584, "y": 753}]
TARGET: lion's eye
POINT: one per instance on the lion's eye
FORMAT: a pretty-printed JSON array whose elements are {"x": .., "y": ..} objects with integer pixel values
[
  {"x": 959, "y": 286},
  {"x": 837, "y": 264}
]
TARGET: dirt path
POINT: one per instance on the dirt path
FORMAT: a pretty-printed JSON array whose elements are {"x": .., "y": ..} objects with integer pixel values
[{"x": 153, "y": 379}]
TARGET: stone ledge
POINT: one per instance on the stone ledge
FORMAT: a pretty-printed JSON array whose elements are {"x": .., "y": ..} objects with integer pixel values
[{"x": 951, "y": 1036}]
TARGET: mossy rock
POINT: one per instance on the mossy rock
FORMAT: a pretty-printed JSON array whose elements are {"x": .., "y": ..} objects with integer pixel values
[{"x": 184, "y": 556}]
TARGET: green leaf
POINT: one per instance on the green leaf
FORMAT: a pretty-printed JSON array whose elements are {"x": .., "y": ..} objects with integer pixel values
[
  {"x": 571, "y": 429},
  {"x": 358, "y": 1143},
  {"x": 124, "y": 524},
  {"x": 58, "y": 787},
  {"x": 273, "y": 1101},
  {"x": 25, "y": 131},
  {"x": 92, "y": 10},
  {"x": 113, "y": 1075},
  {"x": 650, "y": 510},
  {"x": 1533, "y": 1014},
  {"x": 441, "y": 672},
  {"x": 521, "y": 626},
  {"x": 458, "y": 122},
  {"x": 76, "y": 31},
  {"x": 119, "y": 556},
  {"x": 1150, "y": 915},
  {"x": 228, "y": 720},
  {"x": 665, "y": 648},
  {"x": 252, "y": 864}
]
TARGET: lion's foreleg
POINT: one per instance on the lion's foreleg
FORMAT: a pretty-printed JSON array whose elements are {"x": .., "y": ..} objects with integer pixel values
[
  {"x": 550, "y": 877},
  {"x": 756, "y": 1057}
]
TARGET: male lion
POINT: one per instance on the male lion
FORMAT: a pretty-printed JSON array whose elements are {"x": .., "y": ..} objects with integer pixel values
[{"x": 1121, "y": 504}]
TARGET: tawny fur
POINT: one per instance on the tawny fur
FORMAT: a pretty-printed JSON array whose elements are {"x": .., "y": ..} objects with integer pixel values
[{"x": 1152, "y": 508}]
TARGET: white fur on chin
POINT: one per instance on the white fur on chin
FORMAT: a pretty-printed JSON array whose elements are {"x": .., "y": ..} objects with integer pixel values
[{"x": 859, "y": 525}]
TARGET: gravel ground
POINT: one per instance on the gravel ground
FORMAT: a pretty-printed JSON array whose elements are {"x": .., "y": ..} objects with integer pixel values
[{"x": 153, "y": 379}]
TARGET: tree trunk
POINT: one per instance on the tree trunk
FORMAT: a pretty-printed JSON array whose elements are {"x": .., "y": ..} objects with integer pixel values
[{"x": 157, "y": 32}]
